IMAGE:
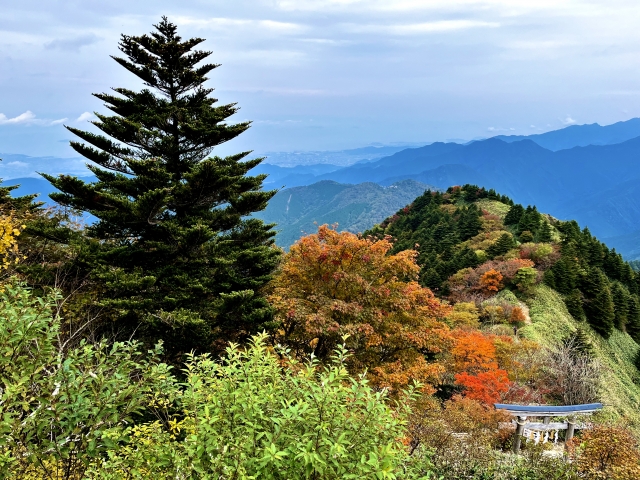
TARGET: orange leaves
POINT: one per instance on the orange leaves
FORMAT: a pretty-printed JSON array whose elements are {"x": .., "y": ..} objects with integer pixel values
[
  {"x": 606, "y": 452},
  {"x": 486, "y": 279},
  {"x": 473, "y": 351},
  {"x": 478, "y": 372},
  {"x": 517, "y": 315},
  {"x": 333, "y": 284},
  {"x": 485, "y": 387},
  {"x": 491, "y": 281}
]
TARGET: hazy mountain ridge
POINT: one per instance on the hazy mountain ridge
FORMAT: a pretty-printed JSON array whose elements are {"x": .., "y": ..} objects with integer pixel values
[
  {"x": 582, "y": 135},
  {"x": 594, "y": 184},
  {"x": 298, "y": 211}
]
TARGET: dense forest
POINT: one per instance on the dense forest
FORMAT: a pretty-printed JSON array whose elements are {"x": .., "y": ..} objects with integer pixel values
[{"x": 168, "y": 337}]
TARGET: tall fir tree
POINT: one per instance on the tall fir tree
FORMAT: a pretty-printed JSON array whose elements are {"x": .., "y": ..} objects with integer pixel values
[
  {"x": 530, "y": 221},
  {"x": 621, "y": 301},
  {"x": 173, "y": 245},
  {"x": 598, "y": 304},
  {"x": 545, "y": 233},
  {"x": 514, "y": 215},
  {"x": 633, "y": 318},
  {"x": 574, "y": 302},
  {"x": 469, "y": 224}
]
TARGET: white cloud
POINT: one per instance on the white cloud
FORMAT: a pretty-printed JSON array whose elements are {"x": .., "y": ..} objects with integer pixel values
[
  {"x": 221, "y": 22},
  {"x": 29, "y": 118},
  {"x": 72, "y": 44},
  {"x": 85, "y": 117},
  {"x": 424, "y": 27},
  {"x": 26, "y": 117},
  {"x": 568, "y": 120}
]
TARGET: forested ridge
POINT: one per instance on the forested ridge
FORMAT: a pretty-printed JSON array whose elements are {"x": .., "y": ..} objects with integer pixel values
[
  {"x": 172, "y": 339},
  {"x": 461, "y": 230}
]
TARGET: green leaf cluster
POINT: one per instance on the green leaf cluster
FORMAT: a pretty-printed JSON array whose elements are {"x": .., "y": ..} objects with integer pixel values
[
  {"x": 248, "y": 417},
  {"x": 56, "y": 405}
]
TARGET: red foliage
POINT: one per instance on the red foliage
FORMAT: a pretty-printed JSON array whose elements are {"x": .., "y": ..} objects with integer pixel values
[
  {"x": 464, "y": 284},
  {"x": 476, "y": 366},
  {"x": 486, "y": 387}
]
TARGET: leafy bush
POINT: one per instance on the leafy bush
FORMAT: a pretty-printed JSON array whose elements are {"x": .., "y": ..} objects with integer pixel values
[
  {"x": 56, "y": 406},
  {"x": 331, "y": 284},
  {"x": 606, "y": 452},
  {"x": 73, "y": 415},
  {"x": 248, "y": 417}
]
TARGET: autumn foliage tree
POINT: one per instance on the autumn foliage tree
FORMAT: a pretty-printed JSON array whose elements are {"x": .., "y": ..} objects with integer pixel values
[
  {"x": 332, "y": 285},
  {"x": 491, "y": 281},
  {"x": 476, "y": 366}
]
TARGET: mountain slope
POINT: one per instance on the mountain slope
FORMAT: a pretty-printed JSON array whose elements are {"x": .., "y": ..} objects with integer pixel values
[
  {"x": 561, "y": 183},
  {"x": 478, "y": 247},
  {"x": 298, "y": 211}
]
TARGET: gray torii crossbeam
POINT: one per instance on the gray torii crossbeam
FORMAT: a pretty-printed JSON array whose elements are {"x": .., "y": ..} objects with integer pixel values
[{"x": 546, "y": 411}]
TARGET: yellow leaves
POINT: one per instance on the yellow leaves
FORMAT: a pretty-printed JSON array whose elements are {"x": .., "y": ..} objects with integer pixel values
[
  {"x": 9, "y": 232},
  {"x": 606, "y": 452}
]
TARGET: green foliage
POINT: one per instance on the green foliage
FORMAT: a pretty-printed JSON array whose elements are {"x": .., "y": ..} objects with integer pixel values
[
  {"x": 526, "y": 278},
  {"x": 435, "y": 225},
  {"x": 545, "y": 234},
  {"x": 514, "y": 215},
  {"x": 551, "y": 324},
  {"x": 248, "y": 417},
  {"x": 598, "y": 305},
  {"x": 502, "y": 245},
  {"x": 174, "y": 249},
  {"x": 529, "y": 221},
  {"x": 55, "y": 406}
]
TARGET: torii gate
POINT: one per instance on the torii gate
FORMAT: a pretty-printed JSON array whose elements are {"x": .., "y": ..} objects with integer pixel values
[{"x": 546, "y": 411}]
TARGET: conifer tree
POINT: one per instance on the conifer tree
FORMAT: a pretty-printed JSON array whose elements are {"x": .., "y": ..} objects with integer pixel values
[
  {"x": 544, "y": 234},
  {"x": 633, "y": 319},
  {"x": 469, "y": 225},
  {"x": 173, "y": 248},
  {"x": 621, "y": 305},
  {"x": 574, "y": 302},
  {"x": 501, "y": 246},
  {"x": 598, "y": 305},
  {"x": 549, "y": 279},
  {"x": 514, "y": 215},
  {"x": 530, "y": 221},
  {"x": 21, "y": 204}
]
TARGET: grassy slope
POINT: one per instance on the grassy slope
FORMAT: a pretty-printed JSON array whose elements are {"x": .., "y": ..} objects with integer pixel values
[
  {"x": 621, "y": 393},
  {"x": 551, "y": 322}
]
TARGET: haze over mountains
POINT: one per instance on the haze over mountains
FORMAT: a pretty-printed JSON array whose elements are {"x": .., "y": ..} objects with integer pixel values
[{"x": 590, "y": 173}]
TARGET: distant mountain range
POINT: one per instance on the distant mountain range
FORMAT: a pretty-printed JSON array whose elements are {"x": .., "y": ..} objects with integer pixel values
[
  {"x": 582, "y": 135},
  {"x": 590, "y": 173},
  {"x": 333, "y": 157},
  {"x": 599, "y": 184}
]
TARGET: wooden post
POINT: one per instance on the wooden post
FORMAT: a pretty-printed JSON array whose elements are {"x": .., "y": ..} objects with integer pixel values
[
  {"x": 571, "y": 426},
  {"x": 519, "y": 429}
]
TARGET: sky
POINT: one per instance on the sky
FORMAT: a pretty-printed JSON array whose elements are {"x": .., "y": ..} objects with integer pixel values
[{"x": 335, "y": 74}]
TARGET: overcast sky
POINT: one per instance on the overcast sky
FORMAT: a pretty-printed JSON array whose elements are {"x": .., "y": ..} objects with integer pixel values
[{"x": 333, "y": 74}]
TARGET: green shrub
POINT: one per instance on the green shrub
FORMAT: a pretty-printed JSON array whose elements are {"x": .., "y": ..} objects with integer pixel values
[
  {"x": 251, "y": 417},
  {"x": 72, "y": 414},
  {"x": 55, "y": 406}
]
